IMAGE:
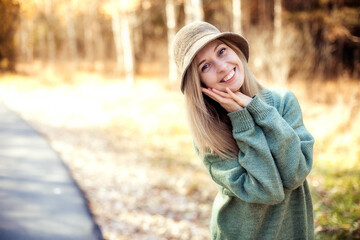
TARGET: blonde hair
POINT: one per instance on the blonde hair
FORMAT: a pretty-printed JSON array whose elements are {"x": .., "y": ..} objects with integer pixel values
[{"x": 210, "y": 126}]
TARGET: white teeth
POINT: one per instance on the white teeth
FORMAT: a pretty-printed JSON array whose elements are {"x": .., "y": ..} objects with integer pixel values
[{"x": 229, "y": 76}]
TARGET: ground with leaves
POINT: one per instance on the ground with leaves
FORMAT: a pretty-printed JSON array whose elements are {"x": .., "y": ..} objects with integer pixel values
[{"x": 129, "y": 149}]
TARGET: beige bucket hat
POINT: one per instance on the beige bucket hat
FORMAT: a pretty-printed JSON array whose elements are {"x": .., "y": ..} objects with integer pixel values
[{"x": 193, "y": 37}]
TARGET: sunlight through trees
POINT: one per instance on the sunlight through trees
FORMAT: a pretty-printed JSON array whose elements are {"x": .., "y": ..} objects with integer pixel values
[{"x": 132, "y": 37}]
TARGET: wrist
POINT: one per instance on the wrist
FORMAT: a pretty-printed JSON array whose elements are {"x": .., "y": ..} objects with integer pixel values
[
  {"x": 234, "y": 109},
  {"x": 246, "y": 101}
]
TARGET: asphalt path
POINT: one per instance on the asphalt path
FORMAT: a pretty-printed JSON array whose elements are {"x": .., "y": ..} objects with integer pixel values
[{"x": 38, "y": 197}]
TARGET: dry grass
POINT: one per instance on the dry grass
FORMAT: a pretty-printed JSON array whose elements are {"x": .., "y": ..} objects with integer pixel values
[{"x": 129, "y": 149}]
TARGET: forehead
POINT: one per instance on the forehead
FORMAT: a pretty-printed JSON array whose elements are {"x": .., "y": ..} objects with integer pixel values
[{"x": 207, "y": 49}]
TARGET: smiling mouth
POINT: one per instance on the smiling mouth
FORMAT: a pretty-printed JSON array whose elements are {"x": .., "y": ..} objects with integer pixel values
[{"x": 229, "y": 76}]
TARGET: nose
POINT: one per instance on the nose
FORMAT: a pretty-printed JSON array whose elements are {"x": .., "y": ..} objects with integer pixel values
[{"x": 220, "y": 65}]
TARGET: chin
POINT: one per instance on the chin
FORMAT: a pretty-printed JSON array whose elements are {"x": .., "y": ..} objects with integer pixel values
[{"x": 236, "y": 87}]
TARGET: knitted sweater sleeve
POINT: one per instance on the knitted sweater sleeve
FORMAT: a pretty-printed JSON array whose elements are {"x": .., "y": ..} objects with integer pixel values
[
  {"x": 253, "y": 176},
  {"x": 291, "y": 145}
]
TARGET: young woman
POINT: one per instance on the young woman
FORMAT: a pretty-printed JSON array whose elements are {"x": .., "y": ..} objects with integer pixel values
[{"x": 252, "y": 140}]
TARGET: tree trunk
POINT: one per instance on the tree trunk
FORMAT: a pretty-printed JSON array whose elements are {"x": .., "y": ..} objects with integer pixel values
[
  {"x": 193, "y": 11},
  {"x": 26, "y": 48},
  {"x": 246, "y": 15},
  {"x": 98, "y": 40},
  {"x": 93, "y": 42},
  {"x": 266, "y": 9},
  {"x": 277, "y": 22},
  {"x": 237, "y": 16},
  {"x": 123, "y": 43},
  {"x": 281, "y": 64},
  {"x": 71, "y": 36},
  {"x": 128, "y": 52},
  {"x": 42, "y": 42},
  {"x": 50, "y": 38},
  {"x": 88, "y": 39},
  {"x": 117, "y": 38},
  {"x": 51, "y": 46},
  {"x": 30, "y": 42},
  {"x": 171, "y": 24}
]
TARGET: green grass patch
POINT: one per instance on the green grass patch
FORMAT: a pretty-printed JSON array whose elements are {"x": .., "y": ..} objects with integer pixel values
[{"x": 336, "y": 196}]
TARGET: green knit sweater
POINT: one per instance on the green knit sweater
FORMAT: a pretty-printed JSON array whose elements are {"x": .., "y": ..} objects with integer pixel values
[{"x": 263, "y": 194}]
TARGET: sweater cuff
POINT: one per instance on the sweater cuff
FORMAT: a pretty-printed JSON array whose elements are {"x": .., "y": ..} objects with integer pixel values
[
  {"x": 257, "y": 108},
  {"x": 241, "y": 120}
]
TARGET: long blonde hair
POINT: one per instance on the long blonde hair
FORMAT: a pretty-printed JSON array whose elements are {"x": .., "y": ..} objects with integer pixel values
[{"x": 210, "y": 126}]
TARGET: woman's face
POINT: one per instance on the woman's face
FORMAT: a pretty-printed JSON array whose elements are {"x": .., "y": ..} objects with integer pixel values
[{"x": 220, "y": 67}]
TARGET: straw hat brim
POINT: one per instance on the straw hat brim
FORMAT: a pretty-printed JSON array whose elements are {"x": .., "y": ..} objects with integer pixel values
[{"x": 235, "y": 38}]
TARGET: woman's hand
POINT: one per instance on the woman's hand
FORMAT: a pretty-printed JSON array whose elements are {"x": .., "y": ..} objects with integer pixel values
[{"x": 230, "y": 101}]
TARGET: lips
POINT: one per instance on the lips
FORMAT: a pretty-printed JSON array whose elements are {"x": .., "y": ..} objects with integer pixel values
[{"x": 228, "y": 76}]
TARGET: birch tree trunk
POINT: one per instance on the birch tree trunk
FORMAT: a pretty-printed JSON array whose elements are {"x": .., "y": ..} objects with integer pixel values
[
  {"x": 116, "y": 29},
  {"x": 71, "y": 37},
  {"x": 128, "y": 52},
  {"x": 123, "y": 44},
  {"x": 89, "y": 37},
  {"x": 23, "y": 38},
  {"x": 50, "y": 38},
  {"x": 281, "y": 65},
  {"x": 98, "y": 40},
  {"x": 26, "y": 45},
  {"x": 193, "y": 11},
  {"x": 51, "y": 46},
  {"x": 171, "y": 24},
  {"x": 237, "y": 16},
  {"x": 42, "y": 42},
  {"x": 277, "y": 22},
  {"x": 30, "y": 42},
  {"x": 93, "y": 42}
]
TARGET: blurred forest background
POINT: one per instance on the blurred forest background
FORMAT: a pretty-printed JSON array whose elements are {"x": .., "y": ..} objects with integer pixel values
[{"x": 96, "y": 78}]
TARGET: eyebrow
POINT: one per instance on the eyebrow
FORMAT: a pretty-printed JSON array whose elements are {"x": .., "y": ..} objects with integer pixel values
[{"x": 217, "y": 45}]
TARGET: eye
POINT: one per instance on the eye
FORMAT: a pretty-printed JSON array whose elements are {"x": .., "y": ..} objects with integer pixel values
[
  {"x": 206, "y": 66},
  {"x": 222, "y": 51}
]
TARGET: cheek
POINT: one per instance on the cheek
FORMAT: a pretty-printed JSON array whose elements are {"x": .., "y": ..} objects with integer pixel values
[
  {"x": 209, "y": 78},
  {"x": 204, "y": 78}
]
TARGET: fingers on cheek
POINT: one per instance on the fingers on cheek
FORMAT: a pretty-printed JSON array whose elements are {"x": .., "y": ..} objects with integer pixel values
[
  {"x": 230, "y": 92},
  {"x": 211, "y": 95},
  {"x": 207, "y": 92},
  {"x": 216, "y": 96}
]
